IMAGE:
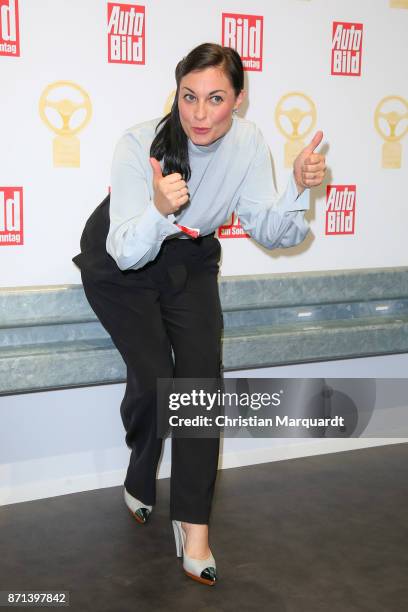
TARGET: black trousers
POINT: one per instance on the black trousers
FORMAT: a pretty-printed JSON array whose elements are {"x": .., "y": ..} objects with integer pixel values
[{"x": 171, "y": 304}]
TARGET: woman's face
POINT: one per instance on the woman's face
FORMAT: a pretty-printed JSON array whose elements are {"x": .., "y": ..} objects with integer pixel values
[{"x": 206, "y": 100}]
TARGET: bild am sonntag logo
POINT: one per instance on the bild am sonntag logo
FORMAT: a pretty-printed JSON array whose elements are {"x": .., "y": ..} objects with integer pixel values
[
  {"x": 9, "y": 28},
  {"x": 244, "y": 33},
  {"x": 232, "y": 228},
  {"x": 11, "y": 216}
]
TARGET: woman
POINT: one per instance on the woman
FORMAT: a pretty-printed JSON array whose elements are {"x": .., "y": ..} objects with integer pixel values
[{"x": 154, "y": 286}]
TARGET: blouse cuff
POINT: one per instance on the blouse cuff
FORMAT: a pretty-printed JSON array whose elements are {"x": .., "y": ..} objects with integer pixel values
[
  {"x": 291, "y": 200},
  {"x": 155, "y": 227}
]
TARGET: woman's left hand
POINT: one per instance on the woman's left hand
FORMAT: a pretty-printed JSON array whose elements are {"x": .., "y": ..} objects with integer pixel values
[{"x": 309, "y": 167}]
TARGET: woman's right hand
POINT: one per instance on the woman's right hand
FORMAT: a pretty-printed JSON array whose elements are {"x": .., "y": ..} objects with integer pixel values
[{"x": 170, "y": 192}]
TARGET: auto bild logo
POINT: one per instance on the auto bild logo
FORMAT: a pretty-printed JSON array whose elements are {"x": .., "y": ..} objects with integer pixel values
[
  {"x": 232, "y": 229},
  {"x": 11, "y": 216},
  {"x": 340, "y": 209},
  {"x": 9, "y": 30},
  {"x": 347, "y": 40},
  {"x": 244, "y": 33},
  {"x": 126, "y": 33}
]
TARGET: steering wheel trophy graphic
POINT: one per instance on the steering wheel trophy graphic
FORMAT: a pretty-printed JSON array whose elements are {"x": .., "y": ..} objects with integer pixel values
[
  {"x": 295, "y": 117},
  {"x": 399, "y": 4},
  {"x": 392, "y": 148},
  {"x": 169, "y": 102},
  {"x": 65, "y": 108}
]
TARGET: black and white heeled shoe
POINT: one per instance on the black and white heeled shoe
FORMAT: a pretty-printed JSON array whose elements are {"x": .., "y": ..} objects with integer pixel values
[
  {"x": 202, "y": 570},
  {"x": 138, "y": 509}
]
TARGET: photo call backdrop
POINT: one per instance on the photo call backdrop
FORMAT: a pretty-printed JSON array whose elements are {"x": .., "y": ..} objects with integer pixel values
[{"x": 76, "y": 73}]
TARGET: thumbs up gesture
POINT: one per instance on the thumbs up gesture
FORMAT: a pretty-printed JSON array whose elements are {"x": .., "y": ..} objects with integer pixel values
[
  {"x": 309, "y": 167},
  {"x": 170, "y": 192}
]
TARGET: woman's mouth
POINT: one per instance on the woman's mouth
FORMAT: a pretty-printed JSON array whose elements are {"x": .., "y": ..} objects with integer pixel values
[{"x": 200, "y": 130}]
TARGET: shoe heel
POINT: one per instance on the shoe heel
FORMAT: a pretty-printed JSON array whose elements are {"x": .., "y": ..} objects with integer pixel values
[
  {"x": 178, "y": 538},
  {"x": 202, "y": 570}
]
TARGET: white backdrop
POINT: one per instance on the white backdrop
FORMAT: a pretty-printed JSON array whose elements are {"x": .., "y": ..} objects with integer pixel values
[{"x": 68, "y": 40}]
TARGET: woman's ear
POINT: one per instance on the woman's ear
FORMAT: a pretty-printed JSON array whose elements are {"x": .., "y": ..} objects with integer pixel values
[{"x": 239, "y": 99}]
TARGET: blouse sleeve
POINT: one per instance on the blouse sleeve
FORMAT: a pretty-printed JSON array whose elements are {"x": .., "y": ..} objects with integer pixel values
[
  {"x": 137, "y": 228},
  {"x": 272, "y": 220}
]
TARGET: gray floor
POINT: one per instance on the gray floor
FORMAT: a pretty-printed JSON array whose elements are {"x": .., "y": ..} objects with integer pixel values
[{"x": 316, "y": 534}]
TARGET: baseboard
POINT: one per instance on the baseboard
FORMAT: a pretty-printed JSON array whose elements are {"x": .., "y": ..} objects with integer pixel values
[
  {"x": 294, "y": 451},
  {"x": 43, "y": 489}
]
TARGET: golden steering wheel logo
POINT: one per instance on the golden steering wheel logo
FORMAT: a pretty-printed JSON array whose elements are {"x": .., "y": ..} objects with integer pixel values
[
  {"x": 65, "y": 108},
  {"x": 399, "y": 4},
  {"x": 295, "y": 118},
  {"x": 169, "y": 102},
  {"x": 391, "y": 122}
]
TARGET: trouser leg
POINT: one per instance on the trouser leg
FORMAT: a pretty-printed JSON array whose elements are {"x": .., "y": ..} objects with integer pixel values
[
  {"x": 130, "y": 312},
  {"x": 193, "y": 319}
]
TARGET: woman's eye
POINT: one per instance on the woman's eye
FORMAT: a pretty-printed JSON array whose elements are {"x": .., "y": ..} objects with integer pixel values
[{"x": 191, "y": 98}]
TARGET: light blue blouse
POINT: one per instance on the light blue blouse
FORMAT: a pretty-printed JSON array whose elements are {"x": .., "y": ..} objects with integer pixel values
[{"x": 232, "y": 174}]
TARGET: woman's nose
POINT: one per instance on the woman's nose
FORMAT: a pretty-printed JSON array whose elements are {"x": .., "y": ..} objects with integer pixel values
[{"x": 200, "y": 110}]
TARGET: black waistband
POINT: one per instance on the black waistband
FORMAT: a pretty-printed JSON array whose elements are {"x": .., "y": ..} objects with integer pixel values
[{"x": 178, "y": 241}]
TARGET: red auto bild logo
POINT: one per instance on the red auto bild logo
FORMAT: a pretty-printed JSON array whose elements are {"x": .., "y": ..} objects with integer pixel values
[
  {"x": 9, "y": 30},
  {"x": 347, "y": 41},
  {"x": 11, "y": 216},
  {"x": 126, "y": 33},
  {"x": 340, "y": 209},
  {"x": 244, "y": 33}
]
